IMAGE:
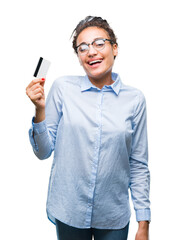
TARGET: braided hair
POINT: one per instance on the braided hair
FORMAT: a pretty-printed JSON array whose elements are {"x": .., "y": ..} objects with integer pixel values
[{"x": 91, "y": 21}]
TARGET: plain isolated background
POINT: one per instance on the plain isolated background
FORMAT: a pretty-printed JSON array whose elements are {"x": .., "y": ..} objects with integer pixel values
[{"x": 147, "y": 59}]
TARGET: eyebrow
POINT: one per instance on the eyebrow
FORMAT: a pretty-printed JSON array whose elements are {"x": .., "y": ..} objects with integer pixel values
[{"x": 97, "y": 38}]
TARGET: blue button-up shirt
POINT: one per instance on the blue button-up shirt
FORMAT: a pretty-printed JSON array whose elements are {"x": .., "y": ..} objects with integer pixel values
[{"x": 99, "y": 139}]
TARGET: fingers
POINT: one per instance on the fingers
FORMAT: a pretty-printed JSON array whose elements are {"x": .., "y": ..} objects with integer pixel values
[
  {"x": 35, "y": 90},
  {"x": 38, "y": 90},
  {"x": 36, "y": 86},
  {"x": 36, "y": 97},
  {"x": 35, "y": 81},
  {"x": 31, "y": 92}
]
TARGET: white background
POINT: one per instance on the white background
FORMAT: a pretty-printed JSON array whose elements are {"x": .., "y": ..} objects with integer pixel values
[{"x": 147, "y": 59}]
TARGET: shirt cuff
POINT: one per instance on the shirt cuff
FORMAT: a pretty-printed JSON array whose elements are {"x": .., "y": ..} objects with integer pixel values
[
  {"x": 39, "y": 128},
  {"x": 143, "y": 215}
]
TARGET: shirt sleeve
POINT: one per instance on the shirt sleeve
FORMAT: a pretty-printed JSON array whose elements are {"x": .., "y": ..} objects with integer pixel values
[
  {"x": 139, "y": 171},
  {"x": 42, "y": 135}
]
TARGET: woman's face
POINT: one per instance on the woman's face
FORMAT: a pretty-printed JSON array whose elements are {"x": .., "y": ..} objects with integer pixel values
[{"x": 105, "y": 56}]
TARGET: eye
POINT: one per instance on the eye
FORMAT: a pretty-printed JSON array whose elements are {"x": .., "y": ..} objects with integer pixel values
[
  {"x": 99, "y": 43},
  {"x": 83, "y": 48}
]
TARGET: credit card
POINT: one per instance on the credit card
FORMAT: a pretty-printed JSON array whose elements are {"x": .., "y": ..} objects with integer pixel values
[{"x": 42, "y": 68}]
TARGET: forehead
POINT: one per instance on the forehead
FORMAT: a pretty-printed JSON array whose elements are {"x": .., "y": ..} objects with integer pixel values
[{"x": 91, "y": 33}]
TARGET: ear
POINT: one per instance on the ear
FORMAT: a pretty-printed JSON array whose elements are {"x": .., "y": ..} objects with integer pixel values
[{"x": 115, "y": 49}]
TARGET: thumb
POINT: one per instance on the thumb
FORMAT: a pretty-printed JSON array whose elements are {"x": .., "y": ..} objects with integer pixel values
[{"x": 42, "y": 82}]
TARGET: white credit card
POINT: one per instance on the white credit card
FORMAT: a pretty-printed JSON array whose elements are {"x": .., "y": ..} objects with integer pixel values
[{"x": 42, "y": 68}]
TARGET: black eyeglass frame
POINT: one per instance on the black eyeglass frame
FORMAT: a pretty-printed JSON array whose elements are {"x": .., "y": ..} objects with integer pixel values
[{"x": 88, "y": 44}]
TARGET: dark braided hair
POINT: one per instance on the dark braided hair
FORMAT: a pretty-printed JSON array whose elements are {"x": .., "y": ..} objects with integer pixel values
[{"x": 91, "y": 21}]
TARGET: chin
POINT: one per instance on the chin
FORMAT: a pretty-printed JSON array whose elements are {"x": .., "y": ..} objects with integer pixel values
[{"x": 97, "y": 74}]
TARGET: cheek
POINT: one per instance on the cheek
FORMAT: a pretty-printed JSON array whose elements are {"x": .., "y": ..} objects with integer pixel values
[
  {"x": 80, "y": 61},
  {"x": 110, "y": 60}
]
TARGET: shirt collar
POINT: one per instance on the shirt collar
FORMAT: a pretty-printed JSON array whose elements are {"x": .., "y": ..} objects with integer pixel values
[{"x": 86, "y": 84}]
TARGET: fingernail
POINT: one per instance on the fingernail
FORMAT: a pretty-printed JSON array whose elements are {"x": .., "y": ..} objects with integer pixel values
[{"x": 43, "y": 79}]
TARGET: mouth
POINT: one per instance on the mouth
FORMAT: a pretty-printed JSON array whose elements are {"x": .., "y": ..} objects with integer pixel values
[{"x": 95, "y": 62}]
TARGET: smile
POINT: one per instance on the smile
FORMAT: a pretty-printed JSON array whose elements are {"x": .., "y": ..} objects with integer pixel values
[{"x": 95, "y": 62}]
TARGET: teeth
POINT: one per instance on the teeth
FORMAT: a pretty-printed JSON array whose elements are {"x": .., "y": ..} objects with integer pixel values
[{"x": 95, "y": 62}]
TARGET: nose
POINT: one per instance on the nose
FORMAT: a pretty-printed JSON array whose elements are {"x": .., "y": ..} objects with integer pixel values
[{"x": 92, "y": 50}]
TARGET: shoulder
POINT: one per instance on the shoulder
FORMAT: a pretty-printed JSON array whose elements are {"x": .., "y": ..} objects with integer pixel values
[
  {"x": 68, "y": 80},
  {"x": 134, "y": 97},
  {"x": 133, "y": 93},
  {"x": 63, "y": 85}
]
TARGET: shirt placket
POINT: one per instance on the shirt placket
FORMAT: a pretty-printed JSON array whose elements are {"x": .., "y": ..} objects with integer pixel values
[{"x": 95, "y": 159}]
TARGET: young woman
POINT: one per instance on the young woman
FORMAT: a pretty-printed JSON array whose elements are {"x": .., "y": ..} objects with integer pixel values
[{"x": 96, "y": 127}]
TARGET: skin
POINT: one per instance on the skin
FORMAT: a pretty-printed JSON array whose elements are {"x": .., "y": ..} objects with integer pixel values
[
  {"x": 99, "y": 75},
  {"x": 143, "y": 231},
  {"x": 35, "y": 91}
]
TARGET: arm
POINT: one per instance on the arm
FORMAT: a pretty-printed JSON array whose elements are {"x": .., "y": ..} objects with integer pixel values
[
  {"x": 143, "y": 231},
  {"x": 139, "y": 172},
  {"x": 43, "y": 132}
]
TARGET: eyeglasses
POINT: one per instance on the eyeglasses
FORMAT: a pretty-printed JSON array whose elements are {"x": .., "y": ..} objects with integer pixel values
[{"x": 98, "y": 45}]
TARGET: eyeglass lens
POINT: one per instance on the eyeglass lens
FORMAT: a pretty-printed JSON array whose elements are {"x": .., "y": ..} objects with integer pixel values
[{"x": 98, "y": 44}]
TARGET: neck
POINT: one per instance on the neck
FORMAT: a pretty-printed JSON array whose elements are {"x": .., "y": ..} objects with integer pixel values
[{"x": 101, "y": 81}]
